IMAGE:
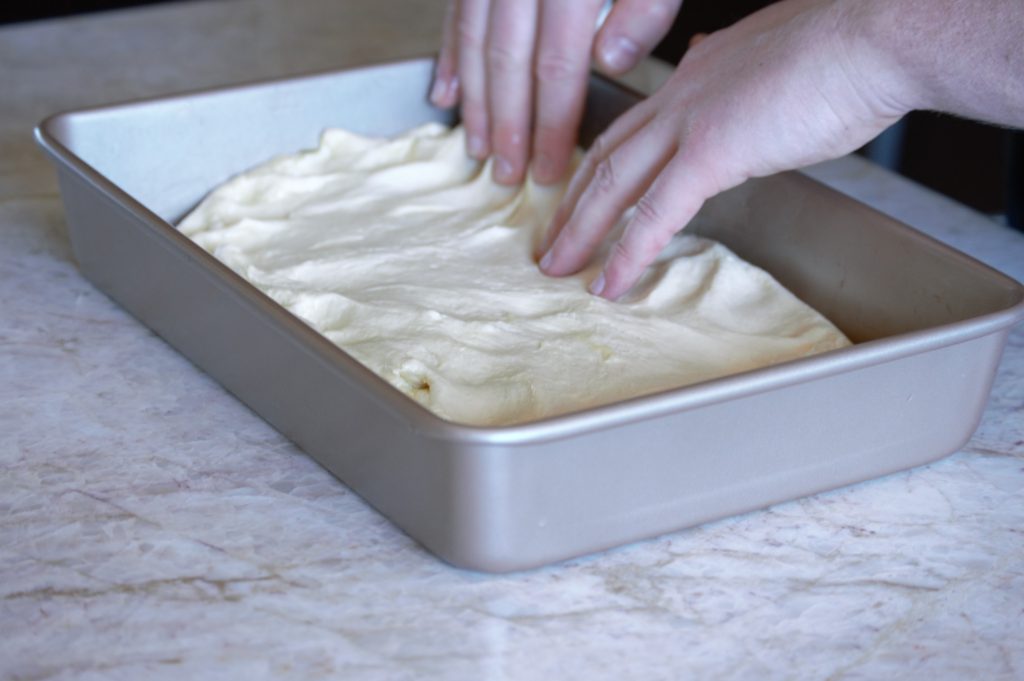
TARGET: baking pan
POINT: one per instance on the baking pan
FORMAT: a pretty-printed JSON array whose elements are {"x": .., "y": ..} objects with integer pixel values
[{"x": 929, "y": 325}]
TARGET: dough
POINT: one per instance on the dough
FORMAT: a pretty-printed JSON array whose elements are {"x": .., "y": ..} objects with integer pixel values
[{"x": 403, "y": 252}]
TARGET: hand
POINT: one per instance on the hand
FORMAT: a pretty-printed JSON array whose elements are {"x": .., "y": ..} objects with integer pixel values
[
  {"x": 788, "y": 86},
  {"x": 519, "y": 68}
]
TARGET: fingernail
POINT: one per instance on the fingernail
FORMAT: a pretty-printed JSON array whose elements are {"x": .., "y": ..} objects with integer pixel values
[
  {"x": 503, "y": 170},
  {"x": 619, "y": 53},
  {"x": 475, "y": 147},
  {"x": 545, "y": 262},
  {"x": 597, "y": 286},
  {"x": 437, "y": 92}
]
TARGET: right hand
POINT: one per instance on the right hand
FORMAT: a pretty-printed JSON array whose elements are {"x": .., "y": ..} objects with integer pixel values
[
  {"x": 519, "y": 69},
  {"x": 790, "y": 85}
]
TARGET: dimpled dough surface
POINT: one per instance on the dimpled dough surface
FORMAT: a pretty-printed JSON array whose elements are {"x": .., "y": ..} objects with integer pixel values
[{"x": 403, "y": 252}]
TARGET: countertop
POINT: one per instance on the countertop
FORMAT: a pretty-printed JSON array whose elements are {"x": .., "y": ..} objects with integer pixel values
[{"x": 153, "y": 527}]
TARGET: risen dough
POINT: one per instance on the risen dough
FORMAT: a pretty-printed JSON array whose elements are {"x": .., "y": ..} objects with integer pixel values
[{"x": 404, "y": 253}]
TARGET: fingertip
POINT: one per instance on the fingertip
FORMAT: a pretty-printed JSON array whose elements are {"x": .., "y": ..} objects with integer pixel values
[
  {"x": 442, "y": 92},
  {"x": 505, "y": 171},
  {"x": 502, "y": 170},
  {"x": 611, "y": 285},
  {"x": 476, "y": 146},
  {"x": 549, "y": 263},
  {"x": 508, "y": 143},
  {"x": 545, "y": 262},
  {"x": 548, "y": 240},
  {"x": 436, "y": 92},
  {"x": 617, "y": 54},
  {"x": 621, "y": 271},
  {"x": 631, "y": 31},
  {"x": 560, "y": 260}
]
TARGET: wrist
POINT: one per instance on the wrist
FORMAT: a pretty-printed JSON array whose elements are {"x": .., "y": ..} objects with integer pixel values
[
  {"x": 880, "y": 58},
  {"x": 956, "y": 56}
]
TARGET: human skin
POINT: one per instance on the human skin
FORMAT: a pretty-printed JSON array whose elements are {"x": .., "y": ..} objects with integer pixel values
[
  {"x": 798, "y": 82},
  {"x": 520, "y": 67}
]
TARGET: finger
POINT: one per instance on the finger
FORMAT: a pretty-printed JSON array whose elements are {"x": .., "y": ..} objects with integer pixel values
[
  {"x": 561, "y": 65},
  {"x": 620, "y": 130},
  {"x": 471, "y": 26},
  {"x": 510, "y": 40},
  {"x": 671, "y": 202},
  {"x": 617, "y": 182},
  {"x": 444, "y": 93},
  {"x": 696, "y": 39},
  {"x": 631, "y": 31}
]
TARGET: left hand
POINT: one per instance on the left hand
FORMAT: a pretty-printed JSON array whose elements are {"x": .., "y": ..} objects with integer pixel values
[{"x": 520, "y": 67}]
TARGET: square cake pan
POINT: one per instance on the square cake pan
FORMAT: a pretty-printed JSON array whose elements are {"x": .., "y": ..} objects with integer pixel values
[{"x": 929, "y": 325}]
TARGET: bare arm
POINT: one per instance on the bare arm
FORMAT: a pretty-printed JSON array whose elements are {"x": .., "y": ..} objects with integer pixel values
[
  {"x": 798, "y": 82},
  {"x": 964, "y": 57}
]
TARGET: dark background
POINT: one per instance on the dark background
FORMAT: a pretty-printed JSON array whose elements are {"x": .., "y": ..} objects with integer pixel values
[
  {"x": 979, "y": 165},
  {"x": 41, "y": 9}
]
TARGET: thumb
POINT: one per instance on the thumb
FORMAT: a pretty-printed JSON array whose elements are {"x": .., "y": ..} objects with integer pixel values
[{"x": 631, "y": 31}]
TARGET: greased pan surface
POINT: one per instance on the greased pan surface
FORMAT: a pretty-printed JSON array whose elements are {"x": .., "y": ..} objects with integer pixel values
[{"x": 930, "y": 324}]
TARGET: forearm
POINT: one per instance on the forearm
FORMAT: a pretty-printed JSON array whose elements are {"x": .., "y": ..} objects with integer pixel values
[{"x": 964, "y": 57}]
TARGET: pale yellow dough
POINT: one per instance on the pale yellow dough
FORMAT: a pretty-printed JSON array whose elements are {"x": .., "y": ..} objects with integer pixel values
[{"x": 405, "y": 253}]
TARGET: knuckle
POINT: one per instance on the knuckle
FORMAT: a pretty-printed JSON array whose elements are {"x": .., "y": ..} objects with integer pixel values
[
  {"x": 594, "y": 156},
  {"x": 647, "y": 241},
  {"x": 640, "y": 247},
  {"x": 648, "y": 212},
  {"x": 604, "y": 177},
  {"x": 623, "y": 252},
  {"x": 555, "y": 67},
  {"x": 468, "y": 37},
  {"x": 503, "y": 58}
]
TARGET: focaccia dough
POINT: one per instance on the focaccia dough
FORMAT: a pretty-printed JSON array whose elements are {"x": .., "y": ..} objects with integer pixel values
[{"x": 403, "y": 252}]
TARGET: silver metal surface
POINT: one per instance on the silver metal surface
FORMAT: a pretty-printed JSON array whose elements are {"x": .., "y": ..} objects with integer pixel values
[{"x": 929, "y": 322}]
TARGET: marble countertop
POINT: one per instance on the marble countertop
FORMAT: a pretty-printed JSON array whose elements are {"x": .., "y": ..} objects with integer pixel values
[{"x": 153, "y": 527}]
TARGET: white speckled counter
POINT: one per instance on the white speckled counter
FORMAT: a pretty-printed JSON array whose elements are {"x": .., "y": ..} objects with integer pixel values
[{"x": 152, "y": 527}]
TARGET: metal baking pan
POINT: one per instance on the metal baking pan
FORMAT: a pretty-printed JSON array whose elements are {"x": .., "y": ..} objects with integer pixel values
[{"x": 929, "y": 325}]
